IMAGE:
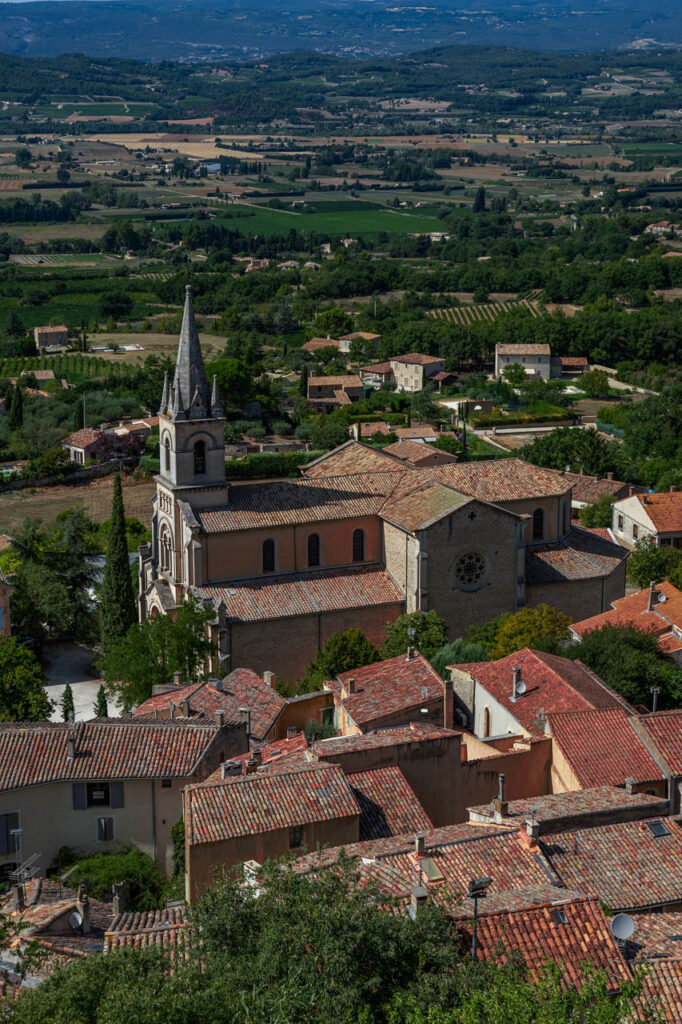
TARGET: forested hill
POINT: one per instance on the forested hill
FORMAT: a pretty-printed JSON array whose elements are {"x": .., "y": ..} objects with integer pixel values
[{"x": 193, "y": 30}]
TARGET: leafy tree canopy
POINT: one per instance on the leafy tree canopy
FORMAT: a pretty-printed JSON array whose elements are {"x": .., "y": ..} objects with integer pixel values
[
  {"x": 630, "y": 662},
  {"x": 542, "y": 627},
  {"x": 430, "y": 634},
  {"x": 23, "y": 697},
  {"x": 144, "y": 883},
  {"x": 341, "y": 653},
  {"x": 598, "y": 513},
  {"x": 458, "y": 652},
  {"x": 648, "y": 563}
]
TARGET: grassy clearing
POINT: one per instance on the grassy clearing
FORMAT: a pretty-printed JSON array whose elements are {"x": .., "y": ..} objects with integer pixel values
[{"x": 351, "y": 222}]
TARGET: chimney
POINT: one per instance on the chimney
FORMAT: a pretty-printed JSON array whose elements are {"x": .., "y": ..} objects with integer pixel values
[
  {"x": 214, "y": 683},
  {"x": 119, "y": 899},
  {"x": 245, "y": 716},
  {"x": 419, "y": 844},
  {"x": 184, "y": 707},
  {"x": 672, "y": 489},
  {"x": 533, "y": 830},
  {"x": 230, "y": 768},
  {"x": 631, "y": 491},
  {"x": 609, "y": 476},
  {"x": 292, "y": 731},
  {"x": 448, "y": 703},
  {"x": 257, "y": 756},
  {"x": 410, "y": 654},
  {"x": 220, "y": 718},
  {"x": 83, "y": 908},
  {"x": 70, "y": 746},
  {"x": 177, "y": 678},
  {"x": 18, "y": 897},
  {"x": 500, "y": 805},
  {"x": 630, "y": 785},
  {"x": 269, "y": 678},
  {"x": 655, "y": 694},
  {"x": 652, "y": 591},
  {"x": 171, "y": 711},
  {"x": 251, "y": 765},
  {"x": 70, "y": 717},
  {"x": 350, "y": 686},
  {"x": 418, "y": 898},
  {"x": 218, "y": 684}
]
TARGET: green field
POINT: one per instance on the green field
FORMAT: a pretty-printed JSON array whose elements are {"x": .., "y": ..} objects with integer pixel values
[{"x": 354, "y": 222}]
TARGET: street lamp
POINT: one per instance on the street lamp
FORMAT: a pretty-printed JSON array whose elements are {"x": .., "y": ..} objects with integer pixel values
[{"x": 477, "y": 891}]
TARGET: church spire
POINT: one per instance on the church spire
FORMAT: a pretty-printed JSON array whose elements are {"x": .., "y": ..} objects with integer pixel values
[
  {"x": 192, "y": 394},
  {"x": 217, "y": 411},
  {"x": 163, "y": 408}
]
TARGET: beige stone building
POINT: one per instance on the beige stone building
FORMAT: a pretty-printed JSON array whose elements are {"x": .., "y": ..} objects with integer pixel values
[
  {"x": 412, "y": 372},
  {"x": 535, "y": 359},
  {"x": 358, "y": 540}
]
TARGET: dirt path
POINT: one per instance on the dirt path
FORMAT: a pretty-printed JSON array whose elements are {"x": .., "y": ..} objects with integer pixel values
[{"x": 47, "y": 502}]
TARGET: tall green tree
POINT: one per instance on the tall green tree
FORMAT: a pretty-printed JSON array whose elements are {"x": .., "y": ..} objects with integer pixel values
[
  {"x": 117, "y": 611},
  {"x": 151, "y": 651},
  {"x": 341, "y": 653},
  {"x": 630, "y": 662},
  {"x": 479, "y": 201},
  {"x": 303, "y": 381},
  {"x": 649, "y": 563},
  {"x": 23, "y": 697},
  {"x": 68, "y": 708},
  {"x": 16, "y": 409},
  {"x": 101, "y": 708}
]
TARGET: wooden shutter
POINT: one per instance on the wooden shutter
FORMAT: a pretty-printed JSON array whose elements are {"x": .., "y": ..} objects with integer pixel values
[
  {"x": 116, "y": 794},
  {"x": 79, "y": 800}
]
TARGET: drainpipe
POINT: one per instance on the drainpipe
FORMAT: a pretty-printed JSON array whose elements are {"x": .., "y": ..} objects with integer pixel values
[{"x": 417, "y": 581}]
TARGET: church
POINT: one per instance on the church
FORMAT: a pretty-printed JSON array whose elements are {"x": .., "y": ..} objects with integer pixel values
[{"x": 358, "y": 540}]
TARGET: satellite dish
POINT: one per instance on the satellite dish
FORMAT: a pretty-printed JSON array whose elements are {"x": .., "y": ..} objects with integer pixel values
[
  {"x": 622, "y": 927},
  {"x": 75, "y": 920},
  {"x": 520, "y": 689}
]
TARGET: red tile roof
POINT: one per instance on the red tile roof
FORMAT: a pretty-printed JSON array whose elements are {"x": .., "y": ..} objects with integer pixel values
[
  {"x": 422, "y": 505},
  {"x": 415, "y": 732},
  {"x": 315, "y": 344},
  {"x": 241, "y": 688},
  {"x": 275, "y": 755},
  {"x": 305, "y": 593},
  {"x": 625, "y": 864},
  {"x": 665, "y": 729},
  {"x": 552, "y": 684},
  {"x": 34, "y": 754},
  {"x": 417, "y": 359},
  {"x": 349, "y": 380},
  {"x": 657, "y": 934},
  {"x": 559, "y": 811},
  {"x": 500, "y": 480},
  {"x": 602, "y": 748},
  {"x": 664, "y": 602},
  {"x": 387, "y": 687},
  {"x": 520, "y": 350},
  {"x": 266, "y": 801},
  {"x": 664, "y": 510},
  {"x": 661, "y": 995},
  {"x": 83, "y": 438},
  {"x": 591, "y": 488},
  {"x": 415, "y": 452},
  {"x": 572, "y": 933},
  {"x": 388, "y": 806},
  {"x": 580, "y": 556},
  {"x": 350, "y": 459},
  {"x": 379, "y": 368},
  {"x": 163, "y": 929},
  {"x": 570, "y": 361}
]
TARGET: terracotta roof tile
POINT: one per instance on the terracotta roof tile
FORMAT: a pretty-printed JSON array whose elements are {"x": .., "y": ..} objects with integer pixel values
[
  {"x": 626, "y": 865},
  {"x": 664, "y": 510},
  {"x": 163, "y": 929},
  {"x": 557, "y": 812},
  {"x": 417, "y": 359},
  {"x": 661, "y": 993},
  {"x": 415, "y": 452},
  {"x": 33, "y": 754},
  {"x": 665, "y": 728},
  {"x": 658, "y": 934},
  {"x": 388, "y": 806},
  {"x": 520, "y": 350},
  {"x": 387, "y": 687},
  {"x": 305, "y": 593},
  {"x": 83, "y": 438},
  {"x": 275, "y": 755},
  {"x": 591, "y": 488},
  {"x": 499, "y": 480},
  {"x": 664, "y": 616},
  {"x": 552, "y": 684},
  {"x": 415, "y": 732},
  {"x": 602, "y": 748},
  {"x": 381, "y": 368},
  {"x": 350, "y": 459},
  {"x": 348, "y": 380},
  {"x": 580, "y": 556},
  {"x": 263, "y": 802}
]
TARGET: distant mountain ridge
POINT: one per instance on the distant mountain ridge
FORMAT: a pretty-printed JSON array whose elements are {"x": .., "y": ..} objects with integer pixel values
[{"x": 192, "y": 30}]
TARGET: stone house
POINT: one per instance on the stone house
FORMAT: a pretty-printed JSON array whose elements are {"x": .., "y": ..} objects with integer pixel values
[
  {"x": 412, "y": 372},
  {"x": 658, "y": 516},
  {"x": 102, "y": 785},
  {"x": 84, "y": 445},
  {"x": 327, "y": 393},
  {"x": 50, "y": 337},
  {"x": 366, "y": 337},
  {"x": 535, "y": 359}
]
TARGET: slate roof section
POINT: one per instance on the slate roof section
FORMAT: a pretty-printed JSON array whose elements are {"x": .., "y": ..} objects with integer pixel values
[
  {"x": 387, "y": 687},
  {"x": 34, "y": 754},
  {"x": 286, "y": 595},
  {"x": 580, "y": 556},
  {"x": 552, "y": 684},
  {"x": 572, "y": 933},
  {"x": 625, "y": 865},
  {"x": 264, "y": 802},
  {"x": 241, "y": 688},
  {"x": 388, "y": 806},
  {"x": 557, "y": 812},
  {"x": 665, "y": 729},
  {"x": 160, "y": 929},
  {"x": 415, "y": 732},
  {"x": 602, "y": 747}
]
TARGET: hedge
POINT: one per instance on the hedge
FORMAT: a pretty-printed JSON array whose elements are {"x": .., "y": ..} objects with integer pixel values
[
  {"x": 150, "y": 464},
  {"x": 265, "y": 464},
  {"x": 520, "y": 419}
]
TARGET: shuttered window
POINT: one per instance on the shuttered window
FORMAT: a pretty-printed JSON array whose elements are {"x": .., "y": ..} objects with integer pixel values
[
  {"x": 79, "y": 796},
  {"x": 7, "y": 823}
]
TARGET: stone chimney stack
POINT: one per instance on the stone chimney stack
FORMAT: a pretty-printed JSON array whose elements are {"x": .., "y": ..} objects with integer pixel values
[
  {"x": 500, "y": 805},
  {"x": 119, "y": 899},
  {"x": 245, "y": 716},
  {"x": 411, "y": 654},
  {"x": 652, "y": 591},
  {"x": 351, "y": 687},
  {"x": 292, "y": 731},
  {"x": 418, "y": 898},
  {"x": 269, "y": 678},
  {"x": 184, "y": 707},
  {"x": 419, "y": 844},
  {"x": 171, "y": 711},
  {"x": 71, "y": 746},
  {"x": 220, "y": 718},
  {"x": 83, "y": 908}
]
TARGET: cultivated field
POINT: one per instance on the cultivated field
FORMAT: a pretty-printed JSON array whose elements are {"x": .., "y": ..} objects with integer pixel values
[
  {"x": 95, "y": 498},
  {"x": 486, "y": 311}
]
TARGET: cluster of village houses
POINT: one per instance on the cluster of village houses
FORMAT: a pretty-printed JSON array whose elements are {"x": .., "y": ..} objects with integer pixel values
[{"x": 528, "y": 772}]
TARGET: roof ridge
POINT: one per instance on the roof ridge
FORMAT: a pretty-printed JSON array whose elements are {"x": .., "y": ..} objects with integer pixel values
[{"x": 236, "y": 780}]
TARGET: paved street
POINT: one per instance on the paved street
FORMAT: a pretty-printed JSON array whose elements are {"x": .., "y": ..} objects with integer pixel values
[{"x": 71, "y": 663}]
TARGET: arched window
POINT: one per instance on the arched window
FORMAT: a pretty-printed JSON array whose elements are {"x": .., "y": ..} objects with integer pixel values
[
  {"x": 199, "y": 458},
  {"x": 486, "y": 723},
  {"x": 165, "y": 550},
  {"x": 313, "y": 550},
  {"x": 268, "y": 555},
  {"x": 166, "y": 455},
  {"x": 539, "y": 524},
  {"x": 358, "y": 545}
]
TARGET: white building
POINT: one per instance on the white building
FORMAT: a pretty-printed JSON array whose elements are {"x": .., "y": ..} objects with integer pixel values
[
  {"x": 658, "y": 516},
  {"x": 535, "y": 359}
]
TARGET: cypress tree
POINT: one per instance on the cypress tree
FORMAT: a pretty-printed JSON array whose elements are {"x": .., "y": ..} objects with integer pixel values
[
  {"x": 101, "y": 709},
  {"x": 117, "y": 600},
  {"x": 303, "y": 382},
  {"x": 67, "y": 702},
  {"x": 16, "y": 411}
]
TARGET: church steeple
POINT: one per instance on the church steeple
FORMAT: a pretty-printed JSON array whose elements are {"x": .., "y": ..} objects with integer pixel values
[{"x": 190, "y": 387}]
